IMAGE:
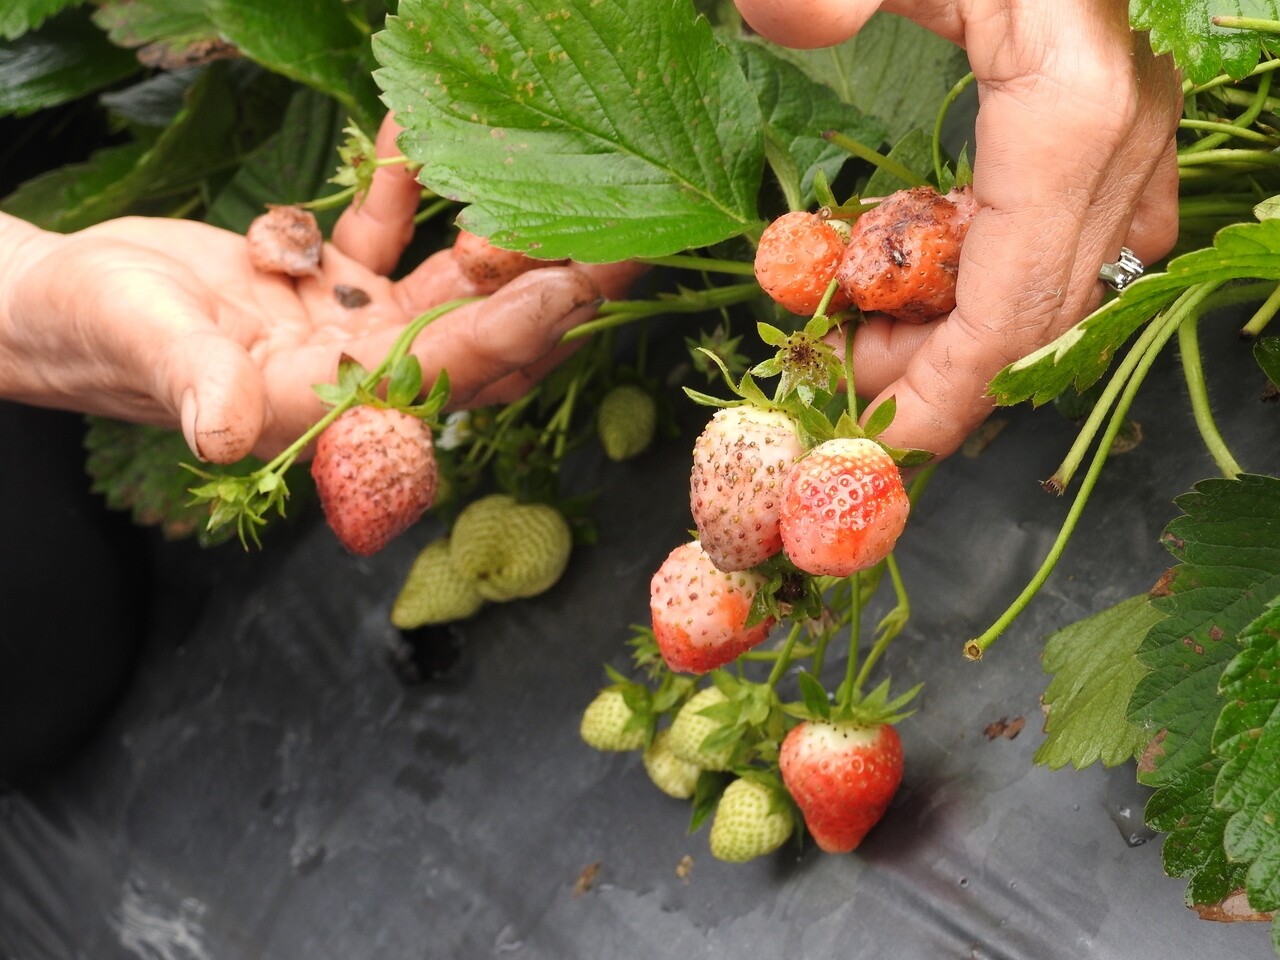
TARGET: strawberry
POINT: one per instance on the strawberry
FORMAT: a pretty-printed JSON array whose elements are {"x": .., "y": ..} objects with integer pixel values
[
  {"x": 903, "y": 256},
  {"x": 490, "y": 267},
  {"x": 434, "y": 591},
  {"x": 375, "y": 470},
  {"x": 700, "y": 613},
  {"x": 739, "y": 462},
  {"x": 690, "y": 729},
  {"x": 285, "y": 240},
  {"x": 626, "y": 421},
  {"x": 673, "y": 776},
  {"x": 842, "y": 775},
  {"x": 796, "y": 259},
  {"x": 609, "y": 723},
  {"x": 843, "y": 507},
  {"x": 510, "y": 550},
  {"x": 750, "y": 821}
]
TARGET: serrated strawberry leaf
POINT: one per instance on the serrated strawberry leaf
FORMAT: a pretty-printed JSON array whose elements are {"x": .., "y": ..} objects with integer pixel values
[
  {"x": 796, "y": 111},
  {"x": 570, "y": 131},
  {"x": 1095, "y": 669},
  {"x": 1247, "y": 739},
  {"x": 881, "y": 417},
  {"x": 1082, "y": 354},
  {"x": 1228, "y": 547},
  {"x": 1267, "y": 353},
  {"x": 1185, "y": 28}
]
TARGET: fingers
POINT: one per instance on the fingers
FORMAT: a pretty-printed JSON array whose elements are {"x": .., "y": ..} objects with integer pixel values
[
  {"x": 807, "y": 23},
  {"x": 376, "y": 228}
]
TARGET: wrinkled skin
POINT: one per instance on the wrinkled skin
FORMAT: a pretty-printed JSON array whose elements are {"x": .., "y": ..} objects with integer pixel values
[
  {"x": 165, "y": 322},
  {"x": 1074, "y": 157}
]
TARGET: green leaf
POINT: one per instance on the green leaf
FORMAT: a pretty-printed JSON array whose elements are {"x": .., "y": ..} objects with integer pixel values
[
  {"x": 797, "y": 109},
  {"x": 1267, "y": 352},
  {"x": 405, "y": 381},
  {"x": 1094, "y": 671},
  {"x": 66, "y": 59},
  {"x": 1247, "y": 739},
  {"x": 1082, "y": 354},
  {"x": 19, "y": 16},
  {"x": 293, "y": 166},
  {"x": 1228, "y": 545},
  {"x": 893, "y": 70},
  {"x": 316, "y": 42},
  {"x": 814, "y": 695},
  {"x": 1185, "y": 29},
  {"x": 881, "y": 417},
  {"x": 170, "y": 25},
  {"x": 571, "y": 132}
]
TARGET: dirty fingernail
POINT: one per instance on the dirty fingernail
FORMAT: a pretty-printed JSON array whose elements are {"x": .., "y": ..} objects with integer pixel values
[{"x": 188, "y": 416}]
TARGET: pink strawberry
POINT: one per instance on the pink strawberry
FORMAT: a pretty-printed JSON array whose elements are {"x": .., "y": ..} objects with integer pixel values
[
  {"x": 739, "y": 462},
  {"x": 700, "y": 613},
  {"x": 903, "y": 256},
  {"x": 842, "y": 776},
  {"x": 490, "y": 267},
  {"x": 375, "y": 470},
  {"x": 843, "y": 507}
]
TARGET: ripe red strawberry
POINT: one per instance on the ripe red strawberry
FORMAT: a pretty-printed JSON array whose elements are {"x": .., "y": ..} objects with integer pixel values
[
  {"x": 842, "y": 776},
  {"x": 375, "y": 470},
  {"x": 903, "y": 256},
  {"x": 490, "y": 267},
  {"x": 700, "y": 613},
  {"x": 735, "y": 487},
  {"x": 843, "y": 507},
  {"x": 796, "y": 259}
]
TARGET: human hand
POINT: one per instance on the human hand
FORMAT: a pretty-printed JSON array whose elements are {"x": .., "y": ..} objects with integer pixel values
[
  {"x": 1074, "y": 157},
  {"x": 166, "y": 322}
]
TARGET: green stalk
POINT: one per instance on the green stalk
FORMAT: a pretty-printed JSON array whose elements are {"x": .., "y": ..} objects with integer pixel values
[
  {"x": 686, "y": 261},
  {"x": 951, "y": 97},
  {"x": 1184, "y": 307},
  {"x": 784, "y": 658},
  {"x": 1216, "y": 127},
  {"x": 899, "y": 614},
  {"x": 855, "y": 634},
  {"x": 1262, "y": 316},
  {"x": 876, "y": 159},
  {"x": 1241, "y": 122},
  {"x": 617, "y": 313},
  {"x": 1242, "y": 159},
  {"x": 850, "y": 398},
  {"x": 1247, "y": 23},
  {"x": 431, "y": 210},
  {"x": 1223, "y": 80},
  {"x": 1193, "y": 371}
]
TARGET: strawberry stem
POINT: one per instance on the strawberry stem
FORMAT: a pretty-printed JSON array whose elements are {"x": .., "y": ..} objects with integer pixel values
[
  {"x": 706, "y": 264},
  {"x": 875, "y": 158},
  {"x": 617, "y": 313},
  {"x": 1239, "y": 124},
  {"x": 432, "y": 210},
  {"x": 1184, "y": 307},
  {"x": 1224, "y": 79},
  {"x": 939, "y": 170},
  {"x": 892, "y": 624},
  {"x": 784, "y": 657},
  {"x": 850, "y": 396},
  {"x": 1262, "y": 316},
  {"x": 848, "y": 687},
  {"x": 1193, "y": 372}
]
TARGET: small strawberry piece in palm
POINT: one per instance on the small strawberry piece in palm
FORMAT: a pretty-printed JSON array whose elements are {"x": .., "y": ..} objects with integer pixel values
[
  {"x": 735, "y": 488},
  {"x": 904, "y": 255},
  {"x": 700, "y": 613},
  {"x": 375, "y": 470},
  {"x": 843, "y": 507},
  {"x": 796, "y": 261},
  {"x": 285, "y": 240},
  {"x": 490, "y": 268},
  {"x": 842, "y": 776}
]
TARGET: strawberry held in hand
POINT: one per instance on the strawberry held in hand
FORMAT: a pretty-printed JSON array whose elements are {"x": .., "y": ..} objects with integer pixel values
[
  {"x": 842, "y": 776},
  {"x": 375, "y": 471},
  {"x": 903, "y": 256},
  {"x": 735, "y": 488},
  {"x": 700, "y": 613},
  {"x": 796, "y": 260},
  {"x": 843, "y": 507}
]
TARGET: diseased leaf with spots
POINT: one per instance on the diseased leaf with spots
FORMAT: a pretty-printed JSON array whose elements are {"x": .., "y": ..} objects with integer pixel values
[
  {"x": 1185, "y": 28},
  {"x": 797, "y": 110},
  {"x": 1228, "y": 548},
  {"x": 1247, "y": 740},
  {"x": 576, "y": 128},
  {"x": 1095, "y": 669},
  {"x": 1082, "y": 354}
]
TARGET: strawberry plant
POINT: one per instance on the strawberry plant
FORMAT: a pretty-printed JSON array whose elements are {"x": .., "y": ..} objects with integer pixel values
[{"x": 776, "y": 194}]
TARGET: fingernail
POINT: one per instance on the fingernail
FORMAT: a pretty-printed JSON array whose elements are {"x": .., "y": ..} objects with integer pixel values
[
  {"x": 188, "y": 416},
  {"x": 580, "y": 314}
]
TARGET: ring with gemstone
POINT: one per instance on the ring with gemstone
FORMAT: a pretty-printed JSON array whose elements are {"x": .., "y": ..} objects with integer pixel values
[{"x": 1122, "y": 272}]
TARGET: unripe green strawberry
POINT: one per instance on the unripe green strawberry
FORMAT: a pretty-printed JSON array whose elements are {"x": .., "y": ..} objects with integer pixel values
[
  {"x": 626, "y": 422},
  {"x": 689, "y": 730},
  {"x": 673, "y": 776},
  {"x": 748, "y": 823},
  {"x": 510, "y": 550},
  {"x": 607, "y": 723},
  {"x": 434, "y": 591}
]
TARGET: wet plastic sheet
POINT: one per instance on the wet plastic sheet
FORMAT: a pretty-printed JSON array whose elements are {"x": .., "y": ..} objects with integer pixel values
[{"x": 272, "y": 787}]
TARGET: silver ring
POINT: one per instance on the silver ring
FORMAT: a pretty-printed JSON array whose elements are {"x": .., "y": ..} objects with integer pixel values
[{"x": 1123, "y": 272}]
